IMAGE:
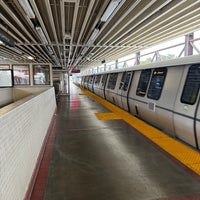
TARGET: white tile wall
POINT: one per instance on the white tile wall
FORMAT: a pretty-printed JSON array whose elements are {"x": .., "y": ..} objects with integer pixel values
[
  {"x": 22, "y": 131},
  {"x": 6, "y": 96}
]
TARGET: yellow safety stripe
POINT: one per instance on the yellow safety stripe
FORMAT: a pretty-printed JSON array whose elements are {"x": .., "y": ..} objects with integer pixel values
[{"x": 183, "y": 153}]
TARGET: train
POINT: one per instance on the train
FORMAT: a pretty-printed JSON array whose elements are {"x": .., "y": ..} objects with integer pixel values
[{"x": 164, "y": 94}]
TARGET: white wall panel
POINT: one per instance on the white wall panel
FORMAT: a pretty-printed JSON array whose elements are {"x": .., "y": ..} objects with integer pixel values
[{"x": 23, "y": 128}]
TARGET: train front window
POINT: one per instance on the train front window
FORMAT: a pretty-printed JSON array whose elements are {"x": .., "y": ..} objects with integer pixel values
[
  {"x": 143, "y": 82},
  {"x": 191, "y": 87},
  {"x": 156, "y": 84}
]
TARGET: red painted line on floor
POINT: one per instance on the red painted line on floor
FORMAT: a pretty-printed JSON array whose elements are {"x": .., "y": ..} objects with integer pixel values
[{"x": 37, "y": 184}]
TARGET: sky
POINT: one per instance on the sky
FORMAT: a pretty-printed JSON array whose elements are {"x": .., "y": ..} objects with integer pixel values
[{"x": 176, "y": 51}]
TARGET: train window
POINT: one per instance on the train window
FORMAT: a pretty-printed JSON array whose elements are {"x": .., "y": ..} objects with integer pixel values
[
  {"x": 103, "y": 81},
  {"x": 6, "y": 78},
  {"x": 191, "y": 87},
  {"x": 156, "y": 84},
  {"x": 112, "y": 81},
  {"x": 90, "y": 79},
  {"x": 41, "y": 74},
  {"x": 82, "y": 80},
  {"x": 21, "y": 74},
  {"x": 127, "y": 80},
  {"x": 86, "y": 79},
  {"x": 122, "y": 80},
  {"x": 143, "y": 82},
  {"x": 97, "y": 80}
]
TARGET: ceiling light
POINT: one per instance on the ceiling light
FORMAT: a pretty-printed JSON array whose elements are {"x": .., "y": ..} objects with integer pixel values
[
  {"x": 93, "y": 36},
  {"x": 41, "y": 34},
  {"x": 27, "y": 8},
  {"x": 1, "y": 42},
  {"x": 110, "y": 9},
  {"x": 78, "y": 60},
  {"x": 84, "y": 50},
  {"x": 30, "y": 57},
  {"x": 50, "y": 50}
]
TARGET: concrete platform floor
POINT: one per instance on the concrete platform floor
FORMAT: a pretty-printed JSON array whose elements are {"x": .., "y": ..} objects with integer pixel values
[{"x": 96, "y": 159}]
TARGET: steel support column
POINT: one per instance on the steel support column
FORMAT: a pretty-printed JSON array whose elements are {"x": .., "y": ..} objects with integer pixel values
[
  {"x": 188, "y": 47},
  {"x": 137, "y": 58}
]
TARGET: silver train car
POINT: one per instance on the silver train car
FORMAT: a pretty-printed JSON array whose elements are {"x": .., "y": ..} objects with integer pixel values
[{"x": 164, "y": 94}]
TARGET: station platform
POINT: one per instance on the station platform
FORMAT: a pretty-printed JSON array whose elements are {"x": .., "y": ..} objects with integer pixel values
[{"x": 94, "y": 152}]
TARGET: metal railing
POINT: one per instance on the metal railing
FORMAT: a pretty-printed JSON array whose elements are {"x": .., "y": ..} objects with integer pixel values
[{"x": 189, "y": 47}]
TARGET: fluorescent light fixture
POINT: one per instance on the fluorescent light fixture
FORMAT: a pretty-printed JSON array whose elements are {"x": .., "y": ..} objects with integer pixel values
[
  {"x": 84, "y": 50},
  {"x": 93, "y": 36},
  {"x": 30, "y": 57},
  {"x": 78, "y": 60},
  {"x": 50, "y": 50},
  {"x": 110, "y": 9},
  {"x": 27, "y": 8},
  {"x": 54, "y": 57},
  {"x": 41, "y": 34}
]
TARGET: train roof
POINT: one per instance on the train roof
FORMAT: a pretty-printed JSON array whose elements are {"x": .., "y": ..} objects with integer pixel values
[{"x": 168, "y": 63}]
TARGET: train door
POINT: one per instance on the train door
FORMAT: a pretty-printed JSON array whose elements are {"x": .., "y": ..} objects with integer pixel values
[
  {"x": 96, "y": 85},
  {"x": 124, "y": 87},
  {"x": 197, "y": 123},
  {"x": 93, "y": 80},
  {"x": 186, "y": 111},
  {"x": 90, "y": 81},
  {"x": 103, "y": 85},
  {"x": 111, "y": 89},
  {"x": 85, "y": 81}
]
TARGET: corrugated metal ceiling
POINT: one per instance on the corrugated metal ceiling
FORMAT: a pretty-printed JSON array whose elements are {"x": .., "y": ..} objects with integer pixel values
[{"x": 77, "y": 35}]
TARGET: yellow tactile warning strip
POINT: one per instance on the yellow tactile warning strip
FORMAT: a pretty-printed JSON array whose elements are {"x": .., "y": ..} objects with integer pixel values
[
  {"x": 107, "y": 116},
  {"x": 179, "y": 151},
  {"x": 81, "y": 94}
]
